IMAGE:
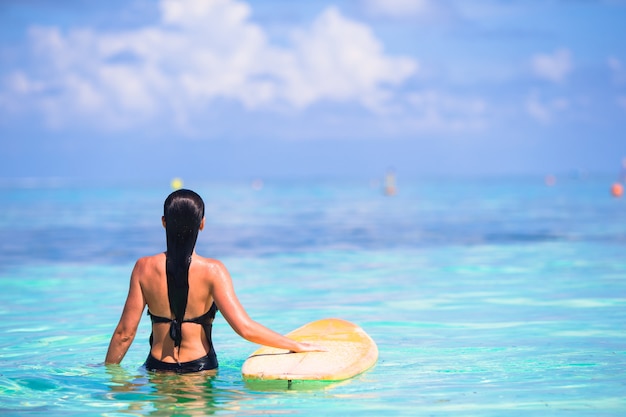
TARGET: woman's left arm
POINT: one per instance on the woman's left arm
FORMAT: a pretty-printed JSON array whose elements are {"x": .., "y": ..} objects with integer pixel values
[{"x": 131, "y": 315}]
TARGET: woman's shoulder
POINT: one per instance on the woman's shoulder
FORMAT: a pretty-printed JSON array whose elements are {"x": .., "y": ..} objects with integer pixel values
[
  {"x": 210, "y": 265},
  {"x": 208, "y": 262},
  {"x": 151, "y": 261}
]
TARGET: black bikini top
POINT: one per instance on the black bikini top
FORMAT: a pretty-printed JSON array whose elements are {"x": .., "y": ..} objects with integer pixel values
[{"x": 206, "y": 320}]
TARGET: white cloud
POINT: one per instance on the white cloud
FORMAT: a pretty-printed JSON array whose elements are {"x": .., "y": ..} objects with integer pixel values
[
  {"x": 342, "y": 60},
  {"x": 201, "y": 51},
  {"x": 552, "y": 67},
  {"x": 544, "y": 110}
]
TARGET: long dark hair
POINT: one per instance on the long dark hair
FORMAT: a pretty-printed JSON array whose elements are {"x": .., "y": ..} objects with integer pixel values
[{"x": 183, "y": 211}]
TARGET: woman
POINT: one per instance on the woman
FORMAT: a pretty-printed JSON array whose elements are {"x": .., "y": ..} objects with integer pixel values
[{"x": 183, "y": 291}]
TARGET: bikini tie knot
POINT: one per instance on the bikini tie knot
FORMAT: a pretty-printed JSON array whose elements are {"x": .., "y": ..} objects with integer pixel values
[{"x": 176, "y": 332}]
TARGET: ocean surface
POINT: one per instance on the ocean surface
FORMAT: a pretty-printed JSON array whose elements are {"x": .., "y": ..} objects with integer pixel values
[{"x": 486, "y": 297}]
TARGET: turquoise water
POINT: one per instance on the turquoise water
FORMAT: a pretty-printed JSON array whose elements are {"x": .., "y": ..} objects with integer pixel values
[{"x": 485, "y": 297}]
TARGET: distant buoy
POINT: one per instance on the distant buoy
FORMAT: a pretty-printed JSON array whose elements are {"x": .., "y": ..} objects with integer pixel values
[
  {"x": 617, "y": 190},
  {"x": 176, "y": 184}
]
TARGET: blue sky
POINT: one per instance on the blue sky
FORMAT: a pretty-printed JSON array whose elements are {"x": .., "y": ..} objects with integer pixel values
[{"x": 211, "y": 89}]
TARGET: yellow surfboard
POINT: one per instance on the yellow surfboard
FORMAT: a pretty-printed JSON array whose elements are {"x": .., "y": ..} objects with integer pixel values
[{"x": 351, "y": 351}]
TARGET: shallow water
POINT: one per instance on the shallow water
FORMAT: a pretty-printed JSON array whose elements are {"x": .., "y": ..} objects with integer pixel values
[{"x": 485, "y": 297}]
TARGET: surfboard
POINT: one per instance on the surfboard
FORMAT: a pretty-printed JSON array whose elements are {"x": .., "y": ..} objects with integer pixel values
[{"x": 351, "y": 351}]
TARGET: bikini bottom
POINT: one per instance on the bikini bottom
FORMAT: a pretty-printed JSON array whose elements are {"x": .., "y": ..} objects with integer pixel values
[{"x": 204, "y": 363}]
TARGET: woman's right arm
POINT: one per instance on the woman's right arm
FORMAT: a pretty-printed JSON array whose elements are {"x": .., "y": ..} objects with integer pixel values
[
  {"x": 126, "y": 329},
  {"x": 236, "y": 316}
]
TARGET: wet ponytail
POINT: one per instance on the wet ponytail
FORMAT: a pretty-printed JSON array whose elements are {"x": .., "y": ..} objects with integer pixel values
[{"x": 183, "y": 211}]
